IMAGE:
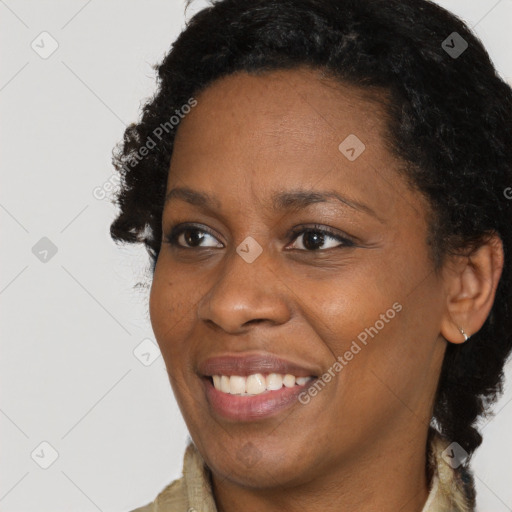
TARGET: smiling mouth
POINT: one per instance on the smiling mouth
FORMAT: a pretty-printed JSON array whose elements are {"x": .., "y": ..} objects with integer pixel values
[
  {"x": 252, "y": 386},
  {"x": 233, "y": 405},
  {"x": 256, "y": 383}
]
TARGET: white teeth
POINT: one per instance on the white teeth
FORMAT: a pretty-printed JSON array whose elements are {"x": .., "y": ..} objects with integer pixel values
[
  {"x": 236, "y": 385},
  {"x": 289, "y": 381},
  {"x": 274, "y": 381},
  {"x": 256, "y": 383},
  {"x": 224, "y": 384}
]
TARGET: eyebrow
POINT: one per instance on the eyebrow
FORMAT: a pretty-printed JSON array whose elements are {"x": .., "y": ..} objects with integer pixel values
[
  {"x": 293, "y": 200},
  {"x": 193, "y": 197}
]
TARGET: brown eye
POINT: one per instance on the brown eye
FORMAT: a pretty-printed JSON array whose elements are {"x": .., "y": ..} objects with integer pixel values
[
  {"x": 191, "y": 236},
  {"x": 314, "y": 239}
]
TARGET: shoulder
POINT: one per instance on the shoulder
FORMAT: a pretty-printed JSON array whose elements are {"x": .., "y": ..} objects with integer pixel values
[
  {"x": 172, "y": 498},
  {"x": 191, "y": 491},
  {"x": 453, "y": 486}
]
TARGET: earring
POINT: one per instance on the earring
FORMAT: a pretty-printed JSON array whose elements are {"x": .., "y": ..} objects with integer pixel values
[{"x": 466, "y": 337}]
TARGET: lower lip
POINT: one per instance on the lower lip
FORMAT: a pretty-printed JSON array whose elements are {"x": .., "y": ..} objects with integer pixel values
[{"x": 253, "y": 407}]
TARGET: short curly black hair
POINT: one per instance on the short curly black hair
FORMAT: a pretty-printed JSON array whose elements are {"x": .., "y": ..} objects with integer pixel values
[{"x": 449, "y": 121}]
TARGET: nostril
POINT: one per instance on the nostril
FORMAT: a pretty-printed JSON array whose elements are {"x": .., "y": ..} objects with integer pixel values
[{"x": 255, "y": 321}]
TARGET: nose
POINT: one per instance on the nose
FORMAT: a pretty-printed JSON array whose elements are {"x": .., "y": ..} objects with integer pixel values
[{"x": 244, "y": 294}]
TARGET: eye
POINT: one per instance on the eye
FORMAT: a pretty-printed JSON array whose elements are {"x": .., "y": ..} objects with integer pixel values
[
  {"x": 315, "y": 238},
  {"x": 309, "y": 239},
  {"x": 188, "y": 237}
]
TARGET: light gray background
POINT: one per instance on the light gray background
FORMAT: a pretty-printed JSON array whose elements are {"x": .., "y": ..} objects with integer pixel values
[{"x": 70, "y": 325}]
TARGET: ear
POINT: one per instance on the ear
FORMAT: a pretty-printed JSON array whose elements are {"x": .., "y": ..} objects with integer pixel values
[{"x": 470, "y": 287}]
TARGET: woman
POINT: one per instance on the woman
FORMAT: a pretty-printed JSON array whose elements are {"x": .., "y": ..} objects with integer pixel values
[{"x": 321, "y": 186}]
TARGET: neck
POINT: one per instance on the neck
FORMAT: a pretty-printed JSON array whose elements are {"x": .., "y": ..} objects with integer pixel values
[{"x": 387, "y": 477}]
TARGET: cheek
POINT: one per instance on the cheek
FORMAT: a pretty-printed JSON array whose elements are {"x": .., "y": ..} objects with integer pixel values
[
  {"x": 368, "y": 317},
  {"x": 389, "y": 364},
  {"x": 171, "y": 308},
  {"x": 341, "y": 307}
]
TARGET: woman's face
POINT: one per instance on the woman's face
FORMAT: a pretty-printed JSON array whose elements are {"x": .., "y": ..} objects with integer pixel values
[{"x": 301, "y": 248}]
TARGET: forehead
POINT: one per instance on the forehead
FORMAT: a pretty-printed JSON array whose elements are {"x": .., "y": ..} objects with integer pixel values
[
  {"x": 300, "y": 103},
  {"x": 258, "y": 133}
]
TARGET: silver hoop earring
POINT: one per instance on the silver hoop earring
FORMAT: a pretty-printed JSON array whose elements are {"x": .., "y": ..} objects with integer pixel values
[{"x": 466, "y": 337}]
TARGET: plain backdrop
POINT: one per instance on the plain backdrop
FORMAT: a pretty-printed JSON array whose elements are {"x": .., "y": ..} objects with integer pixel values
[{"x": 83, "y": 388}]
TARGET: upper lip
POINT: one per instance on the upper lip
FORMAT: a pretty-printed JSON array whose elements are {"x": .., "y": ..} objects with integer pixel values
[{"x": 248, "y": 364}]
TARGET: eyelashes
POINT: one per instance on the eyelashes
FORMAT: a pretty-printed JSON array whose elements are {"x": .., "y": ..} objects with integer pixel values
[
  {"x": 174, "y": 236},
  {"x": 192, "y": 236},
  {"x": 324, "y": 234}
]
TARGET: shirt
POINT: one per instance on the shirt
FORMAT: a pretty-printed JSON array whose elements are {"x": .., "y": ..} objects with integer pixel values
[{"x": 451, "y": 486}]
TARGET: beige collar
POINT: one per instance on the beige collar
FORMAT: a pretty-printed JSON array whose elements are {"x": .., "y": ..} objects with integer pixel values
[{"x": 451, "y": 490}]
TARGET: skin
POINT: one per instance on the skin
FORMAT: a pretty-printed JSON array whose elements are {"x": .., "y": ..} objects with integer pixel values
[{"x": 360, "y": 443}]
